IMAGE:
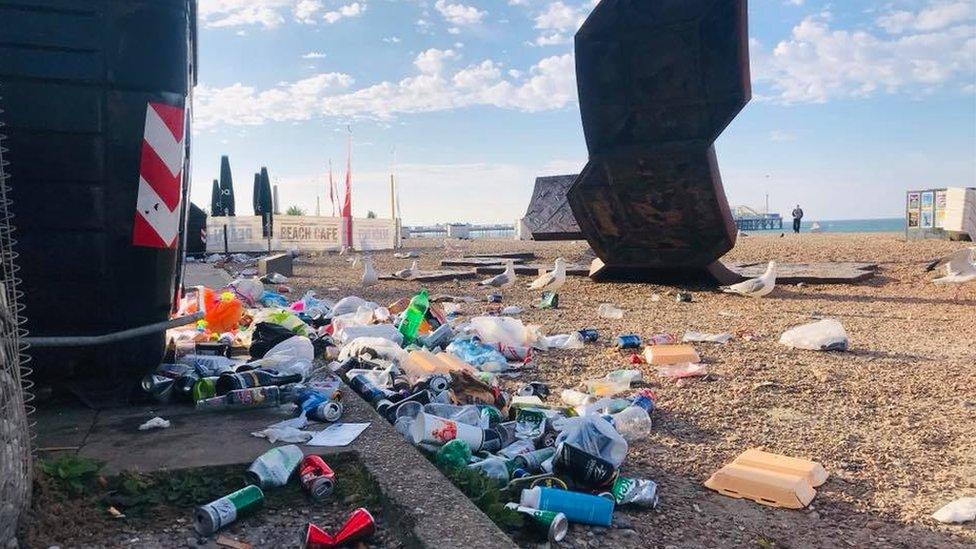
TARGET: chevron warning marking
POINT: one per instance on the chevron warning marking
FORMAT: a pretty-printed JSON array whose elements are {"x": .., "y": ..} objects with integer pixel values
[{"x": 157, "y": 215}]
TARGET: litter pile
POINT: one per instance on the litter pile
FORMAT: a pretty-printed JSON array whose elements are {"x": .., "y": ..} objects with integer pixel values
[{"x": 436, "y": 376}]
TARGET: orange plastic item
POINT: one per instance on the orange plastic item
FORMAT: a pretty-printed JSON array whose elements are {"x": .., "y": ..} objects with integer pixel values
[
  {"x": 769, "y": 479},
  {"x": 671, "y": 354},
  {"x": 223, "y": 314},
  {"x": 421, "y": 364}
]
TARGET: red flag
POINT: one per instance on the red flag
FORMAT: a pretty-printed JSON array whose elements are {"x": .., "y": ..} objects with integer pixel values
[
  {"x": 347, "y": 204},
  {"x": 332, "y": 189}
]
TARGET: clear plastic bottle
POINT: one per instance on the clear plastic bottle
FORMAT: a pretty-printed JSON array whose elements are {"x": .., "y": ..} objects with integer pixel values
[
  {"x": 495, "y": 469},
  {"x": 632, "y": 423}
]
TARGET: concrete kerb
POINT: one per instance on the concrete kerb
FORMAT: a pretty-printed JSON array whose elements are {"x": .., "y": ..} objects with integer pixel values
[{"x": 421, "y": 505}]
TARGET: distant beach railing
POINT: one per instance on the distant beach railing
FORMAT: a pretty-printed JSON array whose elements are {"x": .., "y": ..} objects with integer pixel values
[{"x": 460, "y": 230}]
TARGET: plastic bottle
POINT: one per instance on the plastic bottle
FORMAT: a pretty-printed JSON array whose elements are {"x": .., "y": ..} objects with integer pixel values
[
  {"x": 573, "y": 397},
  {"x": 632, "y": 423},
  {"x": 577, "y": 506},
  {"x": 413, "y": 317},
  {"x": 494, "y": 468}
]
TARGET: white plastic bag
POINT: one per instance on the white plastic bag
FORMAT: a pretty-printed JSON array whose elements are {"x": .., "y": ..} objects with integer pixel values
[
  {"x": 565, "y": 341},
  {"x": 961, "y": 510},
  {"x": 351, "y": 304},
  {"x": 376, "y": 346},
  {"x": 823, "y": 335},
  {"x": 505, "y": 330},
  {"x": 248, "y": 288},
  {"x": 606, "y": 310}
]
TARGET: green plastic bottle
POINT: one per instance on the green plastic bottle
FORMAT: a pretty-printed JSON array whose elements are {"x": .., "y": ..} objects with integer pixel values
[{"x": 413, "y": 317}]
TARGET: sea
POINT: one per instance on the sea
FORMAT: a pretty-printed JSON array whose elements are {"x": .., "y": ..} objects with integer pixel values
[{"x": 885, "y": 225}]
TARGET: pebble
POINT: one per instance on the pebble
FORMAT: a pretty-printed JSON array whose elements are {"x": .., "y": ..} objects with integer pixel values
[
  {"x": 628, "y": 532},
  {"x": 873, "y": 525}
]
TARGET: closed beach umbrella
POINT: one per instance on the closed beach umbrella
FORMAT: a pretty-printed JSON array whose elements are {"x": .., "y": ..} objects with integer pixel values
[
  {"x": 256, "y": 197},
  {"x": 227, "y": 185},
  {"x": 267, "y": 208},
  {"x": 216, "y": 207}
]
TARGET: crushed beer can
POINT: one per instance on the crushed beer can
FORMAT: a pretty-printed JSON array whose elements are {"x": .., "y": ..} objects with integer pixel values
[
  {"x": 637, "y": 491},
  {"x": 550, "y": 300},
  {"x": 317, "y": 477},
  {"x": 589, "y": 335},
  {"x": 628, "y": 341}
]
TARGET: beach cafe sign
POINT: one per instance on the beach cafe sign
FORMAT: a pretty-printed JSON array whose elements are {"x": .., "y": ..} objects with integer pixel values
[{"x": 292, "y": 232}]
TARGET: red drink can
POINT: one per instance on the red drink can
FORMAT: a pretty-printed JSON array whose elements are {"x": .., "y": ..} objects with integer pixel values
[{"x": 317, "y": 477}]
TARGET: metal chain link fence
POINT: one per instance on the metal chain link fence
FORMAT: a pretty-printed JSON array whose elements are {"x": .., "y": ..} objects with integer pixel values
[{"x": 15, "y": 438}]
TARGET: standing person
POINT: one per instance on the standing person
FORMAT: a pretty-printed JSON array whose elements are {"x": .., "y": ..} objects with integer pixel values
[{"x": 797, "y": 218}]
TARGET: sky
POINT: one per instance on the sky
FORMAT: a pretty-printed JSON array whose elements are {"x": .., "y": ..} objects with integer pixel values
[{"x": 468, "y": 101}]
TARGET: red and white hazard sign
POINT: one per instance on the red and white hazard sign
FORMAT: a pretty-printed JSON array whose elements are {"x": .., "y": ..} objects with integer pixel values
[{"x": 160, "y": 177}]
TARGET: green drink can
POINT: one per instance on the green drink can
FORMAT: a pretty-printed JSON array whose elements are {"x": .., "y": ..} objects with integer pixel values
[
  {"x": 554, "y": 524},
  {"x": 204, "y": 388},
  {"x": 209, "y": 518}
]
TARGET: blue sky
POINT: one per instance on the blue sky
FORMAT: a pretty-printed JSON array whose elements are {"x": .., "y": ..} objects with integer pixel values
[{"x": 854, "y": 103}]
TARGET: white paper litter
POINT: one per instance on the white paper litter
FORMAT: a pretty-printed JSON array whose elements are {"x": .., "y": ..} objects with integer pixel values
[
  {"x": 338, "y": 434},
  {"x": 155, "y": 423},
  {"x": 961, "y": 510}
]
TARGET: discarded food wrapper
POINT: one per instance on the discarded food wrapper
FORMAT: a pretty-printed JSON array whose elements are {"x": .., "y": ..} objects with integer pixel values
[
  {"x": 700, "y": 337},
  {"x": 960, "y": 510},
  {"x": 606, "y": 310},
  {"x": 670, "y": 354},
  {"x": 769, "y": 479},
  {"x": 681, "y": 371},
  {"x": 338, "y": 434},
  {"x": 824, "y": 335},
  {"x": 155, "y": 423}
]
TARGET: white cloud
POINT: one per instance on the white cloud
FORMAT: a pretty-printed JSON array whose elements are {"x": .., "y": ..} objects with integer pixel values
[
  {"x": 305, "y": 11},
  {"x": 558, "y": 22},
  {"x": 459, "y": 14},
  {"x": 818, "y": 63},
  {"x": 550, "y": 84},
  {"x": 271, "y": 13},
  {"x": 781, "y": 136},
  {"x": 314, "y": 55},
  {"x": 937, "y": 15},
  {"x": 432, "y": 61},
  {"x": 392, "y": 40},
  {"x": 349, "y": 10}
]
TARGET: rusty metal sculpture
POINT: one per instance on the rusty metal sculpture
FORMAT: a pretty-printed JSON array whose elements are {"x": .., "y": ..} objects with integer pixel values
[{"x": 659, "y": 80}]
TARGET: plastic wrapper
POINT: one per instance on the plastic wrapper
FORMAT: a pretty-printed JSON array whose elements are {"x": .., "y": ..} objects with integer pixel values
[
  {"x": 565, "y": 341},
  {"x": 284, "y": 318},
  {"x": 505, "y": 330},
  {"x": 823, "y": 335},
  {"x": 377, "y": 347},
  {"x": 249, "y": 290},
  {"x": 265, "y": 336},
  {"x": 350, "y": 304},
  {"x": 960, "y": 510},
  {"x": 484, "y": 357},
  {"x": 594, "y": 435}
]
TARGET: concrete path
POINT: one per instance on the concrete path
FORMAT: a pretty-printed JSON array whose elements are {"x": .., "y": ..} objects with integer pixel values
[{"x": 416, "y": 495}]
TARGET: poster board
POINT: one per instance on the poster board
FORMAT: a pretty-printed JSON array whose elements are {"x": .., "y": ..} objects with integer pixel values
[
  {"x": 927, "y": 217},
  {"x": 940, "y": 208},
  {"x": 913, "y": 209}
]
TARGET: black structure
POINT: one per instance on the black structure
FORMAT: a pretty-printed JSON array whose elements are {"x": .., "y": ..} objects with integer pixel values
[
  {"x": 658, "y": 81},
  {"x": 226, "y": 187},
  {"x": 216, "y": 199},
  {"x": 256, "y": 195},
  {"x": 266, "y": 200},
  {"x": 79, "y": 80},
  {"x": 196, "y": 231},
  {"x": 549, "y": 216}
]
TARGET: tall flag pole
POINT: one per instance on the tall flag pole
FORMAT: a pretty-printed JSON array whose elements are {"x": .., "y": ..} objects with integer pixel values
[
  {"x": 332, "y": 189},
  {"x": 347, "y": 204}
]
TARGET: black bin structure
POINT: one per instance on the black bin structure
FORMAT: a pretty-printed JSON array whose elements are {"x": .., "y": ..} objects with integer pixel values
[{"x": 97, "y": 101}]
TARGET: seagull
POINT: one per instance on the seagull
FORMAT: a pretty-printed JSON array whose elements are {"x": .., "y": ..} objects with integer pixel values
[
  {"x": 503, "y": 280},
  {"x": 960, "y": 267},
  {"x": 756, "y": 287},
  {"x": 553, "y": 280},
  {"x": 408, "y": 273},
  {"x": 369, "y": 274}
]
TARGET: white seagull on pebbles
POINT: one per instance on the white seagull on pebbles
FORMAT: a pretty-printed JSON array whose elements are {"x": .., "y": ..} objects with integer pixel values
[
  {"x": 503, "y": 280},
  {"x": 553, "y": 280},
  {"x": 960, "y": 267},
  {"x": 755, "y": 287}
]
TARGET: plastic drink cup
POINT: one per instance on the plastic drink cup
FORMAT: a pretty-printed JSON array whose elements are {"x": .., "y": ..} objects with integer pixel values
[
  {"x": 209, "y": 518},
  {"x": 359, "y": 526},
  {"x": 577, "y": 506},
  {"x": 317, "y": 538}
]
